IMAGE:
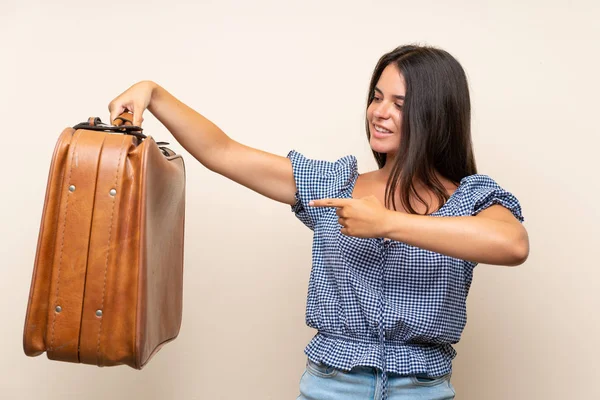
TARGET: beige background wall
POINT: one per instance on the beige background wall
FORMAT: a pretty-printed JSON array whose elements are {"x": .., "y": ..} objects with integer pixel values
[{"x": 279, "y": 75}]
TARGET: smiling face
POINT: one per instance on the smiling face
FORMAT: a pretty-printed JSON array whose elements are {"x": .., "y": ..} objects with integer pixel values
[{"x": 384, "y": 114}]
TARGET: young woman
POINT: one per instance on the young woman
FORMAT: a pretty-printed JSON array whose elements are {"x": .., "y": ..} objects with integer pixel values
[{"x": 394, "y": 249}]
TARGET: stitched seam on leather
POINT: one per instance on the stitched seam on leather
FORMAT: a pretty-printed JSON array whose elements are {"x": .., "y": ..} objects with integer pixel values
[
  {"x": 85, "y": 276},
  {"x": 108, "y": 250},
  {"x": 137, "y": 352},
  {"x": 62, "y": 241},
  {"x": 35, "y": 281}
]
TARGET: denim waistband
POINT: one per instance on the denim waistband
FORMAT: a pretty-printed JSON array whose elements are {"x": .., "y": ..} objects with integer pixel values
[{"x": 381, "y": 342}]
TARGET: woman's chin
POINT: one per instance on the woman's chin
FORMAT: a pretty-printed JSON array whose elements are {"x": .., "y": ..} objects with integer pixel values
[{"x": 380, "y": 146}]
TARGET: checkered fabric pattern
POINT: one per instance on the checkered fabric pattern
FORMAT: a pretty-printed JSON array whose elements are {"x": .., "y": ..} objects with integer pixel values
[{"x": 383, "y": 303}]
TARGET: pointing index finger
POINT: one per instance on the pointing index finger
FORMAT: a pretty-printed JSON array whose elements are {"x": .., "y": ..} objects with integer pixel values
[{"x": 329, "y": 202}]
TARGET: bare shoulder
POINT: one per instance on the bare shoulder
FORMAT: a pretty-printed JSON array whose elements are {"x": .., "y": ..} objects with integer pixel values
[
  {"x": 371, "y": 175},
  {"x": 370, "y": 184}
]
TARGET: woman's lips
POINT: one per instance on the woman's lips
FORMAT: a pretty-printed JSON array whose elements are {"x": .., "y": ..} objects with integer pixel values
[{"x": 380, "y": 132}]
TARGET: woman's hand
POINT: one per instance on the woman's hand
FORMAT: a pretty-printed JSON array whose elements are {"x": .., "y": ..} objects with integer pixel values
[
  {"x": 135, "y": 100},
  {"x": 364, "y": 218}
]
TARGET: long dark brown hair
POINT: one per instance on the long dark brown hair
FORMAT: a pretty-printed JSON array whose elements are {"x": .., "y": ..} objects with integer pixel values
[{"x": 436, "y": 124}]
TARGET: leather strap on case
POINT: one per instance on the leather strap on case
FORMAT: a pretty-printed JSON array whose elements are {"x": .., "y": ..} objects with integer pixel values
[
  {"x": 72, "y": 243},
  {"x": 98, "y": 319}
]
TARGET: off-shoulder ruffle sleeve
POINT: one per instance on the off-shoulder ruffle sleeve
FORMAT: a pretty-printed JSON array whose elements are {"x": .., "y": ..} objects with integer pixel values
[{"x": 318, "y": 179}]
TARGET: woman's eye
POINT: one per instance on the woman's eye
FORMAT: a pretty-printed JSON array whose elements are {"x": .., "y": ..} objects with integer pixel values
[{"x": 399, "y": 106}]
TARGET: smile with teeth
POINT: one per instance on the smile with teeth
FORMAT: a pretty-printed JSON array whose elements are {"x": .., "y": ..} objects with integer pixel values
[{"x": 380, "y": 129}]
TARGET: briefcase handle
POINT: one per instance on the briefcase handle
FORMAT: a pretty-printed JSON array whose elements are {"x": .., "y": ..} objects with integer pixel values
[{"x": 122, "y": 124}]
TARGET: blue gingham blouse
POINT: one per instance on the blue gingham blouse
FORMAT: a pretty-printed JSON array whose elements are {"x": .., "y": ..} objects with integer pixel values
[{"x": 384, "y": 303}]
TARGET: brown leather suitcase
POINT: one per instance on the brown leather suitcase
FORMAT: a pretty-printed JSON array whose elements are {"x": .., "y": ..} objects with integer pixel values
[{"x": 108, "y": 275}]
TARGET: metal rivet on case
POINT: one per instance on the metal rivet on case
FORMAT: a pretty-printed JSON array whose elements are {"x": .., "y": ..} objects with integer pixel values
[
  {"x": 58, "y": 309},
  {"x": 98, "y": 313},
  {"x": 72, "y": 188},
  {"x": 113, "y": 192}
]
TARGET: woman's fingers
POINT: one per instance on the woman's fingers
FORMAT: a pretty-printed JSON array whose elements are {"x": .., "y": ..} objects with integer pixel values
[
  {"x": 115, "y": 110},
  {"x": 138, "y": 110},
  {"x": 134, "y": 100}
]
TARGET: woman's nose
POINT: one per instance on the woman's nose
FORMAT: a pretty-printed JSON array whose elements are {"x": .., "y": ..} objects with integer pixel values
[{"x": 381, "y": 111}]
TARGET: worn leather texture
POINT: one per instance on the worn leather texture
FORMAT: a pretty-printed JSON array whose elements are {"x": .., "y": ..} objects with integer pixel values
[{"x": 107, "y": 283}]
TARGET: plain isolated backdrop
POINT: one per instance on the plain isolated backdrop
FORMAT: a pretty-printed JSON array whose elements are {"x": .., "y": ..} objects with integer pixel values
[{"x": 283, "y": 75}]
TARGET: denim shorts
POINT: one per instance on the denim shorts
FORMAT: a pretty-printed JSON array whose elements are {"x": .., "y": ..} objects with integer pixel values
[{"x": 320, "y": 382}]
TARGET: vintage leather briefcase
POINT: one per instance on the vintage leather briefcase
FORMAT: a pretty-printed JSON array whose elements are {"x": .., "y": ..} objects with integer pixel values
[{"x": 108, "y": 275}]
